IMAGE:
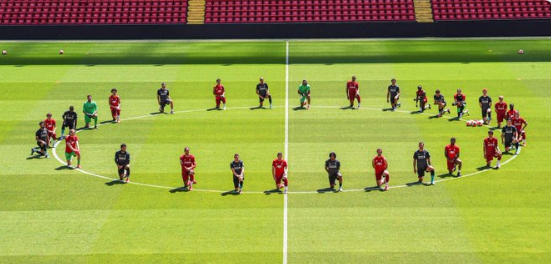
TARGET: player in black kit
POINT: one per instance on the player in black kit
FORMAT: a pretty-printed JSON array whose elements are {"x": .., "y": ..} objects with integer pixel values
[
  {"x": 393, "y": 95},
  {"x": 441, "y": 102},
  {"x": 263, "y": 92},
  {"x": 69, "y": 120},
  {"x": 509, "y": 136},
  {"x": 122, "y": 159},
  {"x": 333, "y": 166},
  {"x": 485, "y": 102},
  {"x": 163, "y": 98},
  {"x": 238, "y": 172},
  {"x": 41, "y": 137},
  {"x": 421, "y": 163}
]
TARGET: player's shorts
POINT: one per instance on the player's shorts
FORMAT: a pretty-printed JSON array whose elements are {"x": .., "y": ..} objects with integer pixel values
[
  {"x": 379, "y": 175},
  {"x": 69, "y": 156},
  {"x": 485, "y": 112},
  {"x": 393, "y": 99},
  {"x": 186, "y": 174},
  {"x": 121, "y": 170},
  {"x": 352, "y": 93},
  {"x": 421, "y": 171},
  {"x": 166, "y": 102},
  {"x": 333, "y": 177},
  {"x": 88, "y": 118},
  {"x": 522, "y": 135},
  {"x": 115, "y": 112},
  {"x": 303, "y": 98},
  {"x": 451, "y": 164},
  {"x": 68, "y": 125},
  {"x": 490, "y": 156},
  {"x": 500, "y": 117},
  {"x": 261, "y": 99},
  {"x": 278, "y": 179},
  {"x": 52, "y": 135},
  {"x": 42, "y": 147},
  {"x": 236, "y": 181},
  {"x": 508, "y": 143}
]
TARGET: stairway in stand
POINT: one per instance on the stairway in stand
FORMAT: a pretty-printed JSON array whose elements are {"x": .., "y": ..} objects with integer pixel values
[
  {"x": 196, "y": 12},
  {"x": 423, "y": 11}
]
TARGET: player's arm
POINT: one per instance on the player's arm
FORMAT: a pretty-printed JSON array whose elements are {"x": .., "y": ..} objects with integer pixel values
[
  {"x": 428, "y": 161},
  {"x": 484, "y": 149},
  {"x": 346, "y": 91},
  {"x": 414, "y": 166},
  {"x": 273, "y": 171},
  {"x": 117, "y": 161},
  {"x": 525, "y": 124},
  {"x": 55, "y": 127},
  {"x": 214, "y": 90},
  {"x": 299, "y": 92},
  {"x": 397, "y": 94},
  {"x": 386, "y": 163},
  {"x": 373, "y": 163},
  {"x": 76, "y": 119},
  {"x": 480, "y": 102},
  {"x": 233, "y": 172},
  {"x": 242, "y": 172},
  {"x": 327, "y": 166},
  {"x": 446, "y": 154},
  {"x": 127, "y": 160},
  {"x": 78, "y": 146},
  {"x": 158, "y": 98},
  {"x": 193, "y": 164},
  {"x": 503, "y": 136},
  {"x": 95, "y": 109}
]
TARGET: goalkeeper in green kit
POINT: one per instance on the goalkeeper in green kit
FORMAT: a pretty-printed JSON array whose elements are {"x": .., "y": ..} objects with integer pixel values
[
  {"x": 304, "y": 92},
  {"x": 90, "y": 110}
]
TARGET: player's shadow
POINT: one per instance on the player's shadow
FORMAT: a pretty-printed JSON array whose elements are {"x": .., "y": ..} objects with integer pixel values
[
  {"x": 299, "y": 108},
  {"x": 107, "y": 122},
  {"x": 64, "y": 167},
  {"x": 434, "y": 116},
  {"x": 258, "y": 107},
  {"x": 481, "y": 168},
  {"x": 327, "y": 190},
  {"x": 179, "y": 189},
  {"x": 387, "y": 109},
  {"x": 415, "y": 183},
  {"x": 415, "y": 112},
  {"x": 445, "y": 175},
  {"x": 374, "y": 188},
  {"x": 157, "y": 113},
  {"x": 348, "y": 108},
  {"x": 114, "y": 182},
  {"x": 214, "y": 109},
  {"x": 454, "y": 119},
  {"x": 268, "y": 192},
  {"x": 232, "y": 192},
  {"x": 34, "y": 157}
]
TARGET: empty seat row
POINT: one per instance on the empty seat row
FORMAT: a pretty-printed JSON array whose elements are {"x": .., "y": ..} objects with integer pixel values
[{"x": 490, "y": 9}]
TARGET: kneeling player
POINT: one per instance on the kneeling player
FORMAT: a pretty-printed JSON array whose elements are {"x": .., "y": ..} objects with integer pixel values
[
  {"x": 333, "y": 166},
  {"x": 238, "y": 171},
  {"x": 188, "y": 169},
  {"x": 393, "y": 95},
  {"x": 51, "y": 127},
  {"x": 460, "y": 101},
  {"x": 451, "y": 152},
  {"x": 41, "y": 137},
  {"x": 279, "y": 172},
  {"x": 441, "y": 102},
  {"x": 421, "y": 163},
  {"x": 509, "y": 136},
  {"x": 115, "y": 105},
  {"x": 263, "y": 92},
  {"x": 521, "y": 125},
  {"x": 491, "y": 149},
  {"x": 304, "y": 92},
  {"x": 353, "y": 92},
  {"x": 69, "y": 120},
  {"x": 421, "y": 99},
  {"x": 72, "y": 148},
  {"x": 122, "y": 159},
  {"x": 90, "y": 110},
  {"x": 219, "y": 93},
  {"x": 382, "y": 176},
  {"x": 163, "y": 99}
]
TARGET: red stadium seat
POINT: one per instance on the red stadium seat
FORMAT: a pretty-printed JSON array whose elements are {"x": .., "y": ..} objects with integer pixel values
[
  {"x": 54, "y": 12},
  {"x": 490, "y": 9}
]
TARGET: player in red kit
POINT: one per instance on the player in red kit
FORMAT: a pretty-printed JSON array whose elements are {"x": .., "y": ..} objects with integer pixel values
[
  {"x": 115, "y": 105},
  {"x": 380, "y": 165},
  {"x": 50, "y": 125},
  {"x": 520, "y": 124},
  {"x": 501, "y": 111},
  {"x": 353, "y": 92},
  {"x": 491, "y": 149},
  {"x": 188, "y": 169},
  {"x": 279, "y": 172},
  {"x": 511, "y": 113},
  {"x": 451, "y": 152},
  {"x": 219, "y": 94},
  {"x": 421, "y": 99}
]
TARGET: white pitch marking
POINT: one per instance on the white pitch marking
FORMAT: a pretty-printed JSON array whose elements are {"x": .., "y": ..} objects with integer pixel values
[{"x": 286, "y": 147}]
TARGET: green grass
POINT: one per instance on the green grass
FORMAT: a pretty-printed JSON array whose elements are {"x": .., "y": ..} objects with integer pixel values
[{"x": 52, "y": 215}]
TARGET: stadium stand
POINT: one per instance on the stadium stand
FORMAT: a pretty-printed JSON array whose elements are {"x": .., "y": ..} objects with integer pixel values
[
  {"x": 490, "y": 9},
  {"x": 59, "y": 12},
  {"x": 285, "y": 11}
]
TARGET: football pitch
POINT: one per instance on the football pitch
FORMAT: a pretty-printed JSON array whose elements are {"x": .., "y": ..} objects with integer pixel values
[{"x": 52, "y": 214}]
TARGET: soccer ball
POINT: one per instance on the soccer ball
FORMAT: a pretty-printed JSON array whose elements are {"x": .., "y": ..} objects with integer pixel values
[
  {"x": 470, "y": 123},
  {"x": 61, "y": 52},
  {"x": 489, "y": 110},
  {"x": 4, "y": 52},
  {"x": 520, "y": 51},
  {"x": 480, "y": 123}
]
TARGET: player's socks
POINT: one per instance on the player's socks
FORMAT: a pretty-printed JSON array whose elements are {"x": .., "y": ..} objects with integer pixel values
[
  {"x": 270, "y": 100},
  {"x": 224, "y": 106},
  {"x": 285, "y": 190},
  {"x": 432, "y": 177},
  {"x": 127, "y": 172},
  {"x": 95, "y": 122}
]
